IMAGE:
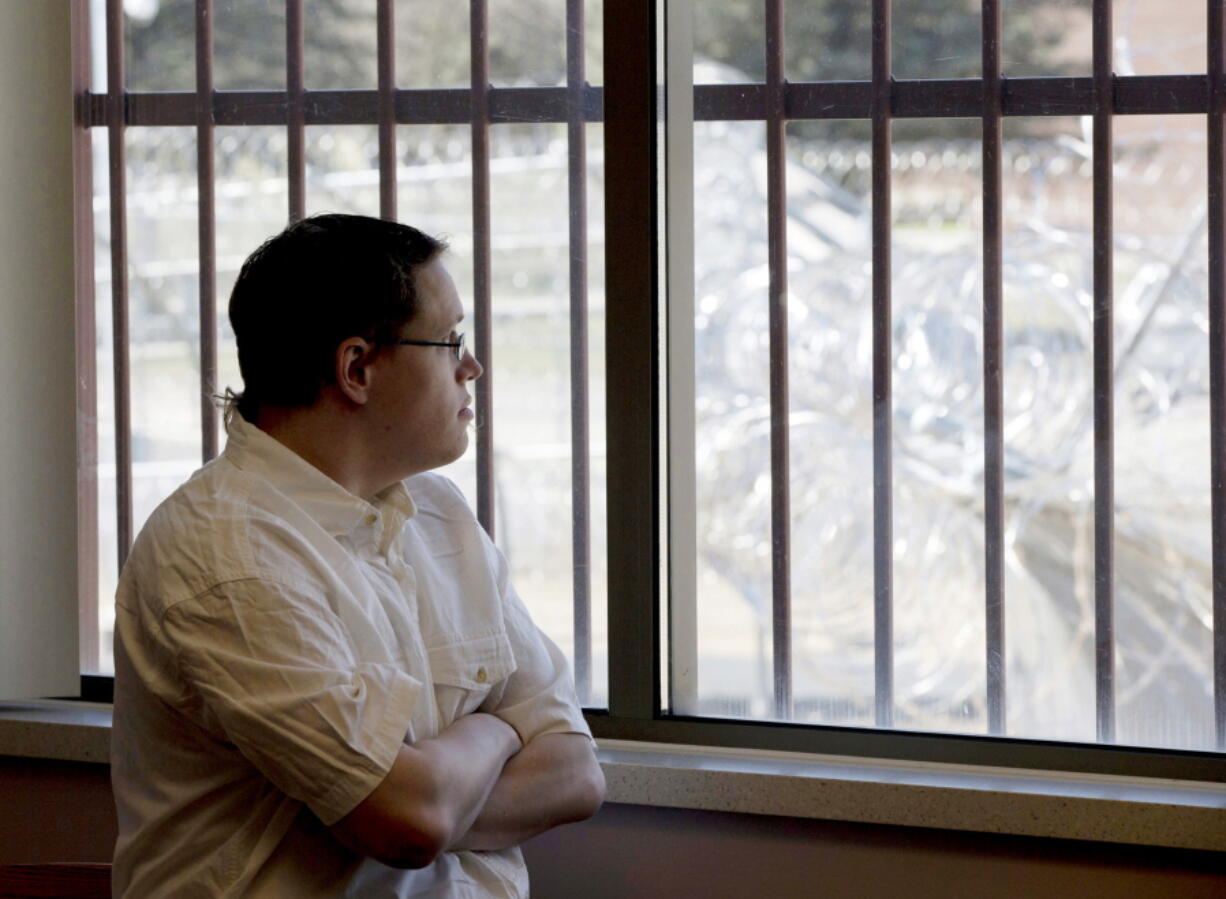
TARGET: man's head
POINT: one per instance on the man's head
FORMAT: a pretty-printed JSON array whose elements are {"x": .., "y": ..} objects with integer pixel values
[
  {"x": 319, "y": 281},
  {"x": 332, "y": 313}
]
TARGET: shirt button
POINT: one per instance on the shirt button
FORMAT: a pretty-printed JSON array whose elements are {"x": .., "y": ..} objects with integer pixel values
[
  {"x": 371, "y": 519},
  {"x": 482, "y": 675}
]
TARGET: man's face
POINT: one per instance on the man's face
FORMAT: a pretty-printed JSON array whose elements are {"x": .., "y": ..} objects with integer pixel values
[{"x": 421, "y": 401}]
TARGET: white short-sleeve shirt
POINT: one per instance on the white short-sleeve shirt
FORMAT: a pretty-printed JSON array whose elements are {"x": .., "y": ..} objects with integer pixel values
[{"x": 276, "y": 639}]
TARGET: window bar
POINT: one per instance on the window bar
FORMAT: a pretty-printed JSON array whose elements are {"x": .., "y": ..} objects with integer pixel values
[
  {"x": 115, "y": 108},
  {"x": 86, "y": 350},
  {"x": 295, "y": 113},
  {"x": 206, "y": 217},
  {"x": 777, "y": 251},
  {"x": 581, "y": 548},
  {"x": 1104, "y": 438},
  {"x": 883, "y": 528},
  {"x": 480, "y": 118},
  {"x": 1217, "y": 347},
  {"x": 387, "y": 109},
  {"x": 993, "y": 388}
]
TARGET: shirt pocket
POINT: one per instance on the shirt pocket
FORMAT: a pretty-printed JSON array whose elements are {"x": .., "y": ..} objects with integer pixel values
[{"x": 465, "y": 670}]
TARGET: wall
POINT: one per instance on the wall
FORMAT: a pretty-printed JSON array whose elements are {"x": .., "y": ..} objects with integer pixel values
[
  {"x": 62, "y": 811},
  {"x": 38, "y": 591}
]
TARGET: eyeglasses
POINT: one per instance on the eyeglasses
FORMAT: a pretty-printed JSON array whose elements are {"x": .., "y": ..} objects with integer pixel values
[{"x": 457, "y": 344}]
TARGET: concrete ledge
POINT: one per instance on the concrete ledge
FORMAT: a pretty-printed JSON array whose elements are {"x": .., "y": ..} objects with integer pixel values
[
  {"x": 1139, "y": 811},
  {"x": 1059, "y": 805},
  {"x": 60, "y": 730}
]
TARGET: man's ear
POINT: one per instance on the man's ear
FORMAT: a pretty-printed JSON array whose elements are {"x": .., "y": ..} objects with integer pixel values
[{"x": 353, "y": 371}]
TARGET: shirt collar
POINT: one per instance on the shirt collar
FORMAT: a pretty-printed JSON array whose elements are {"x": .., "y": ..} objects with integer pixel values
[{"x": 334, "y": 508}]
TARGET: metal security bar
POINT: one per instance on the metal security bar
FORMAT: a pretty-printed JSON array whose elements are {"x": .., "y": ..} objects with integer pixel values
[
  {"x": 295, "y": 118},
  {"x": 1104, "y": 388},
  {"x": 883, "y": 411},
  {"x": 993, "y": 381},
  {"x": 479, "y": 98},
  {"x": 580, "y": 474},
  {"x": 207, "y": 228},
  {"x": 777, "y": 254},
  {"x": 803, "y": 101},
  {"x": 387, "y": 109},
  {"x": 119, "y": 273}
]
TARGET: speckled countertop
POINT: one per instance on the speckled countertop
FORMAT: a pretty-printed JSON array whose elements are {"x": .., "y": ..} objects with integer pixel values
[{"x": 1133, "y": 810}]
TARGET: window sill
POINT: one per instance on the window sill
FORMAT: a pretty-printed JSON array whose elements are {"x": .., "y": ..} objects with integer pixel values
[{"x": 1104, "y": 808}]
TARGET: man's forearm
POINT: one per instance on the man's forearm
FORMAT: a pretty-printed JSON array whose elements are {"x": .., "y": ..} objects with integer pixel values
[
  {"x": 553, "y": 780},
  {"x": 433, "y": 793}
]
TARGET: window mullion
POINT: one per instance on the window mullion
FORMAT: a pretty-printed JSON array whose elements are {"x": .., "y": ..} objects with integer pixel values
[
  {"x": 632, "y": 380},
  {"x": 680, "y": 503},
  {"x": 1217, "y": 348}
]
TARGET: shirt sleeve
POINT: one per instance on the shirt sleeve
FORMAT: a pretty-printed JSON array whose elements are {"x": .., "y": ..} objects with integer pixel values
[
  {"x": 539, "y": 697},
  {"x": 273, "y": 668}
]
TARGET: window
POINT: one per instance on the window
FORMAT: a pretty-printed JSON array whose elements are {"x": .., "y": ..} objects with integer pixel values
[
  {"x": 983, "y": 567},
  {"x": 879, "y": 350},
  {"x": 473, "y": 124}
]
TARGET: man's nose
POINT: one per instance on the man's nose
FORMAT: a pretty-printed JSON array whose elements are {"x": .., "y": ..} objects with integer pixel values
[{"x": 470, "y": 368}]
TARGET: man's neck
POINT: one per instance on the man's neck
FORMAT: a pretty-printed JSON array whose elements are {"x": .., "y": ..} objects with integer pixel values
[{"x": 327, "y": 438}]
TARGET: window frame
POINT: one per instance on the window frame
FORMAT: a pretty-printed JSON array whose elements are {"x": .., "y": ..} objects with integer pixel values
[
  {"x": 634, "y": 103},
  {"x": 632, "y": 106}
]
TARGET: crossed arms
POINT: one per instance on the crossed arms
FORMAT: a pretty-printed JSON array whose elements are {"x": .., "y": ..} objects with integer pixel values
[{"x": 474, "y": 786}]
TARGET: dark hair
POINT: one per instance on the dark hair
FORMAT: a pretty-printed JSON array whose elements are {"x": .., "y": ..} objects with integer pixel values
[{"x": 320, "y": 281}]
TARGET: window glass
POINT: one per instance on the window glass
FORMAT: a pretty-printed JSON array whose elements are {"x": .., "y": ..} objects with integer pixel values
[
  {"x": 530, "y": 264},
  {"x": 733, "y": 421},
  {"x": 531, "y": 366},
  {"x": 163, "y": 338},
  {"x": 432, "y": 44},
  {"x": 159, "y": 43},
  {"x": 99, "y": 658},
  {"x": 828, "y": 41},
  {"x": 939, "y": 580},
  {"x": 527, "y": 43},
  {"x": 1164, "y": 620},
  {"x": 1048, "y": 423},
  {"x": 1046, "y": 37},
  {"x": 342, "y": 169},
  {"x": 1153, "y": 37},
  {"x": 830, "y": 377},
  {"x": 251, "y": 201},
  {"x": 249, "y": 45},
  {"x": 936, "y": 39},
  {"x": 729, "y": 40},
  {"x": 340, "y": 44}
]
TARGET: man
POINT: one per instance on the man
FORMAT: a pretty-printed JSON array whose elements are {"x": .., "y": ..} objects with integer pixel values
[{"x": 325, "y": 684}]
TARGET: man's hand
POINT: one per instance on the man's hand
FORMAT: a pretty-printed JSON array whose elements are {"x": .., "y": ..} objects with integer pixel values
[
  {"x": 432, "y": 794},
  {"x": 553, "y": 780}
]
